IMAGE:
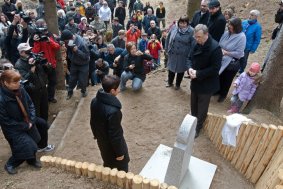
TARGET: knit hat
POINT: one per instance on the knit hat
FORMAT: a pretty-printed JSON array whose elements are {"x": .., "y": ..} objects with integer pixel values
[
  {"x": 213, "y": 3},
  {"x": 83, "y": 18},
  {"x": 255, "y": 67},
  {"x": 66, "y": 35}
]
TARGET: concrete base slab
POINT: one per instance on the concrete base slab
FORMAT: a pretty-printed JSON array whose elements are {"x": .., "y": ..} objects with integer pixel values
[{"x": 199, "y": 175}]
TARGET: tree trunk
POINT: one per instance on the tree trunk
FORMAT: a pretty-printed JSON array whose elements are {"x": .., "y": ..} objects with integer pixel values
[
  {"x": 50, "y": 14},
  {"x": 269, "y": 94},
  {"x": 193, "y": 5}
]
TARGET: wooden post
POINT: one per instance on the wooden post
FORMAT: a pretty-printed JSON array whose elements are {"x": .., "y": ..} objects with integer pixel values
[
  {"x": 137, "y": 182},
  {"x": 52, "y": 161},
  {"x": 58, "y": 162},
  {"x": 121, "y": 179},
  {"x": 106, "y": 174},
  {"x": 113, "y": 176},
  {"x": 211, "y": 125},
  {"x": 253, "y": 147},
  {"x": 43, "y": 161},
  {"x": 207, "y": 121},
  {"x": 73, "y": 166},
  {"x": 268, "y": 154},
  {"x": 145, "y": 183},
  {"x": 129, "y": 180},
  {"x": 91, "y": 170},
  {"x": 272, "y": 168},
  {"x": 63, "y": 164},
  {"x": 172, "y": 187},
  {"x": 78, "y": 168},
  {"x": 98, "y": 172},
  {"x": 261, "y": 149},
  {"x": 68, "y": 165},
  {"x": 154, "y": 184},
  {"x": 163, "y": 186},
  {"x": 218, "y": 129},
  {"x": 85, "y": 169},
  {"x": 242, "y": 144},
  {"x": 48, "y": 160},
  {"x": 247, "y": 145}
]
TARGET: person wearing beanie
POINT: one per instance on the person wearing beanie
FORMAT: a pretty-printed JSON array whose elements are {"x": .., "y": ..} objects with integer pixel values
[
  {"x": 245, "y": 87},
  {"x": 78, "y": 53}
]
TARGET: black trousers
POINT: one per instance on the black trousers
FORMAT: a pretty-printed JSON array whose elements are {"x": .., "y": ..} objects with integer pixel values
[
  {"x": 171, "y": 76},
  {"x": 16, "y": 162},
  {"x": 42, "y": 127},
  {"x": 40, "y": 101},
  {"x": 199, "y": 108},
  {"x": 226, "y": 79},
  {"x": 52, "y": 81}
]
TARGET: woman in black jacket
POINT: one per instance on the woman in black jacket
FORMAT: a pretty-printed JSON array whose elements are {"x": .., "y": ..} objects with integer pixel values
[
  {"x": 17, "y": 120},
  {"x": 134, "y": 67}
]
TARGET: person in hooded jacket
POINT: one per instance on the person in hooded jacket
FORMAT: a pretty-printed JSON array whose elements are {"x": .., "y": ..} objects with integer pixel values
[{"x": 105, "y": 121}]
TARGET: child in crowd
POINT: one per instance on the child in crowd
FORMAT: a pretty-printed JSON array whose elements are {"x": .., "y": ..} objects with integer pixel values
[
  {"x": 148, "y": 64},
  {"x": 245, "y": 87},
  {"x": 154, "y": 48},
  {"x": 142, "y": 44}
]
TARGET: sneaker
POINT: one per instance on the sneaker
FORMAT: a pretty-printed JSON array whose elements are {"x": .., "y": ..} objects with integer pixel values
[
  {"x": 10, "y": 169},
  {"x": 233, "y": 110},
  {"x": 84, "y": 94},
  {"x": 48, "y": 148},
  {"x": 69, "y": 96}
]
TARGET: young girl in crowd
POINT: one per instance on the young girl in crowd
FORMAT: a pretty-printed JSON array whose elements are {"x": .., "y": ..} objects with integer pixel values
[{"x": 245, "y": 87}]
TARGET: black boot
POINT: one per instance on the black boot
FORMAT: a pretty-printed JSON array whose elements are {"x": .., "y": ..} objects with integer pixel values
[{"x": 10, "y": 169}]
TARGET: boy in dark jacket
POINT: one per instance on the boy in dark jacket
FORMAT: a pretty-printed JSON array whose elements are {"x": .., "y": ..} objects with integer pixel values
[{"x": 105, "y": 121}]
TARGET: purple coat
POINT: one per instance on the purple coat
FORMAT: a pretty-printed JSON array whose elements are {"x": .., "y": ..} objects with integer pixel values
[{"x": 245, "y": 87}]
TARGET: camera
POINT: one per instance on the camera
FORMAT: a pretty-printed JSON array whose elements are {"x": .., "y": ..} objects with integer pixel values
[
  {"x": 38, "y": 58},
  {"x": 41, "y": 32},
  {"x": 25, "y": 17}
]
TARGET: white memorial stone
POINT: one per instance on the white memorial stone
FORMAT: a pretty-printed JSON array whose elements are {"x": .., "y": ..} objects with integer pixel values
[{"x": 182, "y": 150}]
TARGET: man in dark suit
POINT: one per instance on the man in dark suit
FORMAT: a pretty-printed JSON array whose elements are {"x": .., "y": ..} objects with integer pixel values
[
  {"x": 203, "y": 71},
  {"x": 201, "y": 16},
  {"x": 105, "y": 121},
  {"x": 216, "y": 24}
]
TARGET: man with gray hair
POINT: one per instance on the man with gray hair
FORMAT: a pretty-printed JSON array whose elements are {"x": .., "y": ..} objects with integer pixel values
[
  {"x": 146, "y": 20},
  {"x": 201, "y": 16},
  {"x": 252, "y": 30},
  {"x": 206, "y": 62}
]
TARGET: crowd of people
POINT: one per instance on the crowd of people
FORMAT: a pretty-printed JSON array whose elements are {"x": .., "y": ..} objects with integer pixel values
[{"x": 98, "y": 45}]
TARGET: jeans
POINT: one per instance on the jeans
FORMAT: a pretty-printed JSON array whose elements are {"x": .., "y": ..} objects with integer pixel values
[
  {"x": 78, "y": 75},
  {"x": 243, "y": 61},
  {"x": 52, "y": 81},
  {"x": 136, "y": 84},
  {"x": 236, "y": 102}
]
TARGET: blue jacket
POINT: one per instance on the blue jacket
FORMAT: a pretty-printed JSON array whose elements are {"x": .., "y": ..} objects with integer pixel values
[
  {"x": 81, "y": 56},
  {"x": 142, "y": 45},
  {"x": 253, "y": 35}
]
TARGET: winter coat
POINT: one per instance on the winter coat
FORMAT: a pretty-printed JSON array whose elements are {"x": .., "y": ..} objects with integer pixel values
[
  {"x": 146, "y": 21},
  {"x": 7, "y": 8},
  {"x": 133, "y": 36},
  {"x": 159, "y": 13},
  {"x": 117, "y": 42},
  {"x": 120, "y": 13},
  {"x": 135, "y": 22},
  {"x": 104, "y": 13},
  {"x": 179, "y": 46},
  {"x": 142, "y": 45},
  {"x": 206, "y": 60},
  {"x": 97, "y": 6},
  {"x": 81, "y": 56},
  {"x": 147, "y": 7},
  {"x": 116, "y": 29},
  {"x": 105, "y": 121},
  {"x": 73, "y": 28},
  {"x": 138, "y": 6},
  {"x": 138, "y": 71},
  {"x": 199, "y": 18},
  {"x": 253, "y": 35},
  {"x": 89, "y": 13},
  {"x": 246, "y": 87},
  {"x": 49, "y": 49},
  {"x": 13, "y": 126},
  {"x": 156, "y": 30},
  {"x": 235, "y": 45},
  {"x": 111, "y": 57},
  {"x": 61, "y": 23},
  {"x": 216, "y": 25},
  {"x": 154, "y": 48}
]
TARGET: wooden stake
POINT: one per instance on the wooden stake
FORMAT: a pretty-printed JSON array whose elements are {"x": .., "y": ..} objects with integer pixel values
[
  {"x": 145, "y": 183},
  {"x": 91, "y": 170},
  {"x": 52, "y": 161},
  {"x": 154, "y": 184},
  {"x": 137, "y": 182},
  {"x": 268, "y": 154},
  {"x": 113, "y": 176},
  {"x": 207, "y": 121},
  {"x": 121, "y": 179},
  {"x": 129, "y": 180},
  {"x": 253, "y": 147},
  {"x": 63, "y": 164},
  {"x": 48, "y": 160},
  {"x": 78, "y": 168},
  {"x": 73, "y": 166},
  {"x": 106, "y": 174},
  {"x": 247, "y": 145},
  {"x": 85, "y": 169},
  {"x": 68, "y": 165},
  {"x": 58, "y": 162},
  {"x": 218, "y": 129},
  {"x": 172, "y": 187},
  {"x": 163, "y": 186},
  {"x": 98, "y": 172},
  {"x": 272, "y": 168},
  {"x": 261, "y": 149},
  {"x": 215, "y": 127},
  {"x": 218, "y": 141},
  {"x": 43, "y": 161}
]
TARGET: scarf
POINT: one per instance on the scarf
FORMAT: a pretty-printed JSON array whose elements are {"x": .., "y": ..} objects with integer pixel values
[{"x": 183, "y": 30}]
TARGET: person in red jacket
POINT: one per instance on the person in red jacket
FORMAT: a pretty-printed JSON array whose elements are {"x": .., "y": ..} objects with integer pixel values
[
  {"x": 154, "y": 48},
  {"x": 133, "y": 34},
  {"x": 61, "y": 3},
  {"x": 46, "y": 43}
]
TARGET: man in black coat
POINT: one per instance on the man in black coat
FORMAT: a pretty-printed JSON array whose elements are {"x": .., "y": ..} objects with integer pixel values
[
  {"x": 203, "y": 71},
  {"x": 201, "y": 16},
  {"x": 105, "y": 121},
  {"x": 216, "y": 24},
  {"x": 9, "y": 9}
]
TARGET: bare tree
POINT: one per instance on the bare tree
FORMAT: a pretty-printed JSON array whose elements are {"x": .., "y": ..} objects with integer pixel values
[
  {"x": 269, "y": 94},
  {"x": 50, "y": 15},
  {"x": 193, "y": 5}
]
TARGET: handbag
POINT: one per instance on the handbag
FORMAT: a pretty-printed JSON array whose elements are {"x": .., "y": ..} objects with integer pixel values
[{"x": 234, "y": 65}]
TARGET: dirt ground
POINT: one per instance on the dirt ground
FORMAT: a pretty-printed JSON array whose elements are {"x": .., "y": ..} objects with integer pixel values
[{"x": 150, "y": 117}]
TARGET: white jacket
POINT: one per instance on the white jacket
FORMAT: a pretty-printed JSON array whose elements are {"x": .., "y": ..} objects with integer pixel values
[{"x": 104, "y": 13}]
